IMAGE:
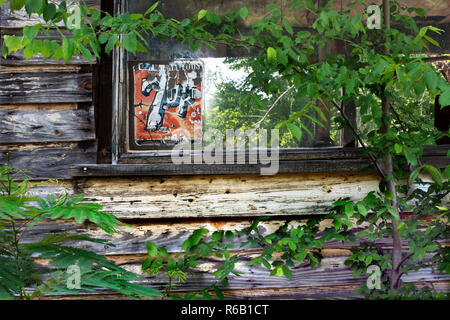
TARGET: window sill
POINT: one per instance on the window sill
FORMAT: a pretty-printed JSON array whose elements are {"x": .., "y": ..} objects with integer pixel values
[{"x": 291, "y": 161}]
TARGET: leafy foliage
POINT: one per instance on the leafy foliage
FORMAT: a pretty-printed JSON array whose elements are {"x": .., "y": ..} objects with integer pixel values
[
  {"x": 196, "y": 247},
  {"x": 23, "y": 276}
]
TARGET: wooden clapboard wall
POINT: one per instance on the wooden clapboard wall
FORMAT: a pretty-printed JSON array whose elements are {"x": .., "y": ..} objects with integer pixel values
[
  {"x": 47, "y": 122},
  {"x": 46, "y": 111}
]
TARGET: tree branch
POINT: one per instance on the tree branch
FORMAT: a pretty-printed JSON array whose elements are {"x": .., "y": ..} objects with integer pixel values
[
  {"x": 273, "y": 106},
  {"x": 370, "y": 155}
]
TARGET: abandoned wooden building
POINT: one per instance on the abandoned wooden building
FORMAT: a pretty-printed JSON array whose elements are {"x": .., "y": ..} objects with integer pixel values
[{"x": 78, "y": 121}]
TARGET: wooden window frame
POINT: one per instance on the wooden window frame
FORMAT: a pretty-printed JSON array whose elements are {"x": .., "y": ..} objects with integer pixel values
[{"x": 114, "y": 160}]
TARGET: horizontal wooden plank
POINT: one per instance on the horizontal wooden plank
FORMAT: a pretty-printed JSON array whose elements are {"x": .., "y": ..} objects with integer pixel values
[
  {"x": 431, "y": 153},
  {"x": 37, "y": 69},
  {"x": 40, "y": 106},
  {"x": 171, "y": 235},
  {"x": 224, "y": 196},
  {"x": 26, "y": 126},
  {"x": 130, "y": 250},
  {"x": 329, "y": 273},
  {"x": 319, "y": 292},
  {"x": 323, "y": 153},
  {"x": 161, "y": 169},
  {"x": 48, "y": 161},
  {"x": 20, "y": 18},
  {"x": 45, "y": 87},
  {"x": 304, "y": 160}
]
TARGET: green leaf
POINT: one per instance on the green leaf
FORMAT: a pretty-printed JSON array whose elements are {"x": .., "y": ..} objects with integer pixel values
[
  {"x": 414, "y": 174},
  {"x": 398, "y": 148},
  {"x": 348, "y": 209},
  {"x": 243, "y": 12},
  {"x": 140, "y": 47},
  {"x": 156, "y": 266},
  {"x": 171, "y": 265},
  {"x": 30, "y": 32},
  {"x": 16, "y": 4},
  {"x": 271, "y": 54},
  {"x": 111, "y": 43},
  {"x": 103, "y": 38},
  {"x": 288, "y": 26},
  {"x": 85, "y": 52},
  {"x": 361, "y": 209},
  {"x": 444, "y": 97},
  {"x": 447, "y": 172},
  {"x": 410, "y": 156},
  {"x": 218, "y": 293},
  {"x": 13, "y": 43},
  {"x": 201, "y": 14},
  {"x": 434, "y": 173},
  {"x": 431, "y": 81},
  {"x": 34, "y": 6},
  {"x": 217, "y": 235},
  {"x": 389, "y": 195},
  {"x": 49, "y": 11},
  {"x": 229, "y": 235},
  {"x": 296, "y": 131},
  {"x": 146, "y": 264},
  {"x": 130, "y": 42},
  {"x": 32, "y": 49},
  {"x": 152, "y": 249},
  {"x": 394, "y": 213},
  {"x": 4, "y": 51},
  {"x": 279, "y": 271},
  {"x": 301, "y": 256},
  {"x": 152, "y": 8},
  {"x": 431, "y": 40},
  {"x": 287, "y": 272},
  {"x": 68, "y": 49},
  {"x": 185, "y": 22},
  {"x": 163, "y": 252}
]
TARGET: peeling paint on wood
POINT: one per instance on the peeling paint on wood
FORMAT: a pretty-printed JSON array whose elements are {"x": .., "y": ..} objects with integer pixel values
[{"x": 224, "y": 196}]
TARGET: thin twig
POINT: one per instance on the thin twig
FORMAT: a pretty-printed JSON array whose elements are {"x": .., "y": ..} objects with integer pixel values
[
  {"x": 273, "y": 106},
  {"x": 370, "y": 155}
]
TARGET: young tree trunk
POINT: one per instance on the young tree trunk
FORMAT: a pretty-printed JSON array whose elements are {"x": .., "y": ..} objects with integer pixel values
[
  {"x": 390, "y": 185},
  {"x": 388, "y": 169}
]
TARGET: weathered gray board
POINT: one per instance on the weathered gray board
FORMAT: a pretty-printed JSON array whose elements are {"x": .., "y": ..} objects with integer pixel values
[
  {"x": 45, "y": 87},
  {"x": 22, "y": 126},
  {"x": 48, "y": 161},
  {"x": 130, "y": 250}
]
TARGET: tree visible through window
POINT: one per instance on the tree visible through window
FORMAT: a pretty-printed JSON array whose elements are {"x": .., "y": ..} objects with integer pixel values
[{"x": 174, "y": 94}]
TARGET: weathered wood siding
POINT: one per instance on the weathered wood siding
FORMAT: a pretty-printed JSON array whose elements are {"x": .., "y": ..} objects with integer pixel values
[
  {"x": 47, "y": 122},
  {"x": 46, "y": 110}
]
